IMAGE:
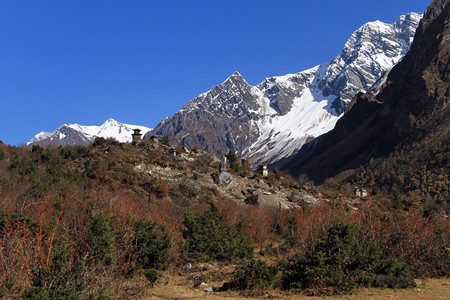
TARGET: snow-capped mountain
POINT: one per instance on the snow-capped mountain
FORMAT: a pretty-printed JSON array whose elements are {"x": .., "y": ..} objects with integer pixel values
[
  {"x": 75, "y": 134},
  {"x": 272, "y": 120}
]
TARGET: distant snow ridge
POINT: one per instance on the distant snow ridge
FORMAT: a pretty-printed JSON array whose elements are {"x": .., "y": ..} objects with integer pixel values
[
  {"x": 75, "y": 134},
  {"x": 272, "y": 120}
]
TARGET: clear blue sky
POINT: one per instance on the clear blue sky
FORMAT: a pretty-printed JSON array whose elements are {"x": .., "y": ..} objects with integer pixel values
[{"x": 139, "y": 61}]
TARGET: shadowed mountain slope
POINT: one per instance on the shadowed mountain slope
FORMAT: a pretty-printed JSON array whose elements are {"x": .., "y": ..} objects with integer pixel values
[{"x": 412, "y": 108}]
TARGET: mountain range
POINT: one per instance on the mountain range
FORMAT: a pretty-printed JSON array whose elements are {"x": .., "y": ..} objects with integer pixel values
[
  {"x": 75, "y": 134},
  {"x": 272, "y": 120}
]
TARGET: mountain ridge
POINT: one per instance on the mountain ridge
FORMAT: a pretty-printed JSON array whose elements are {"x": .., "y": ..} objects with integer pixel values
[{"x": 76, "y": 134}]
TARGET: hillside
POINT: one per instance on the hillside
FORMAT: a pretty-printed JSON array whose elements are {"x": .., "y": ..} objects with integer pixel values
[
  {"x": 399, "y": 131},
  {"x": 110, "y": 218}
]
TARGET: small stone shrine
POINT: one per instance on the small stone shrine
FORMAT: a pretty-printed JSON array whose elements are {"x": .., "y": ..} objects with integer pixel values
[
  {"x": 265, "y": 172},
  {"x": 136, "y": 136},
  {"x": 362, "y": 193}
]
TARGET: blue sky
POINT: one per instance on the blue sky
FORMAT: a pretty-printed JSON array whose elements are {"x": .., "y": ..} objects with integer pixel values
[{"x": 139, "y": 61}]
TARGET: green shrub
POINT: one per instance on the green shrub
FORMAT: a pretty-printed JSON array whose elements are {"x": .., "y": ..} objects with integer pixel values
[
  {"x": 208, "y": 234},
  {"x": 151, "y": 275},
  {"x": 41, "y": 154},
  {"x": 101, "y": 240},
  {"x": 12, "y": 219},
  {"x": 62, "y": 279},
  {"x": 233, "y": 161},
  {"x": 151, "y": 244},
  {"x": 342, "y": 262},
  {"x": 254, "y": 275},
  {"x": 392, "y": 273},
  {"x": 72, "y": 152},
  {"x": 24, "y": 165},
  {"x": 165, "y": 140},
  {"x": 5, "y": 288},
  {"x": 98, "y": 142}
]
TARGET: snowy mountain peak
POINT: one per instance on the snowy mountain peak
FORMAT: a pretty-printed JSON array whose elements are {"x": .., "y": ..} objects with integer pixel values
[
  {"x": 236, "y": 73},
  {"x": 369, "y": 53},
  {"x": 406, "y": 24},
  {"x": 75, "y": 134},
  {"x": 111, "y": 122},
  {"x": 40, "y": 136},
  {"x": 408, "y": 20},
  {"x": 235, "y": 78}
]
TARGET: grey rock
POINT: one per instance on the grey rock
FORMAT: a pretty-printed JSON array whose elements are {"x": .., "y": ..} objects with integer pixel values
[
  {"x": 223, "y": 178},
  {"x": 195, "y": 277},
  {"x": 267, "y": 201},
  {"x": 302, "y": 197},
  {"x": 153, "y": 146}
]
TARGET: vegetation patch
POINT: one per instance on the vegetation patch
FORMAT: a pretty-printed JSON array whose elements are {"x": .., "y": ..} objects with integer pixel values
[
  {"x": 151, "y": 245},
  {"x": 253, "y": 275},
  {"x": 208, "y": 234},
  {"x": 82, "y": 222},
  {"x": 340, "y": 262}
]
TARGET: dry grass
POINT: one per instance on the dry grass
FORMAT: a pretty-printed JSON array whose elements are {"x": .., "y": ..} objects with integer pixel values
[{"x": 178, "y": 284}]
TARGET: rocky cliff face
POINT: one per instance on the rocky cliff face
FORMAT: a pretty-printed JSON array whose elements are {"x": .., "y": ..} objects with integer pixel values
[
  {"x": 272, "y": 120},
  {"x": 218, "y": 120},
  {"x": 412, "y": 106}
]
